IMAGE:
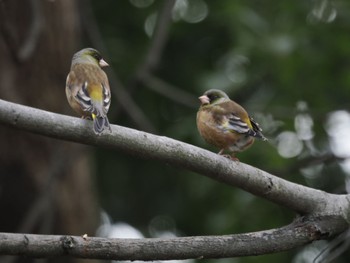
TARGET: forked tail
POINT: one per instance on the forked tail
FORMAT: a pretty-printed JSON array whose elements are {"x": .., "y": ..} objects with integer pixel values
[{"x": 100, "y": 124}]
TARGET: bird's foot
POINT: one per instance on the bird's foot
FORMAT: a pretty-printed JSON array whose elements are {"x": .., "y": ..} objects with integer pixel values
[
  {"x": 234, "y": 158},
  {"x": 231, "y": 157}
]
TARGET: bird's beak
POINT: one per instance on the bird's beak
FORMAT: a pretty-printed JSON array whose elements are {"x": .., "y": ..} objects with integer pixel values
[
  {"x": 103, "y": 63},
  {"x": 204, "y": 99}
]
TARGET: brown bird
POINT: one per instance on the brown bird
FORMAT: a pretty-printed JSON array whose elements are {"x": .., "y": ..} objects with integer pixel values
[
  {"x": 225, "y": 124},
  {"x": 87, "y": 88}
]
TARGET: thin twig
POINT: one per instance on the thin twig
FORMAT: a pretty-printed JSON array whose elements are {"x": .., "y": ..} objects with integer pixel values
[
  {"x": 21, "y": 52},
  {"x": 28, "y": 46},
  {"x": 169, "y": 91},
  {"x": 7, "y": 31},
  {"x": 314, "y": 160},
  {"x": 160, "y": 36},
  {"x": 59, "y": 161},
  {"x": 119, "y": 92},
  {"x": 334, "y": 249},
  {"x": 41, "y": 211}
]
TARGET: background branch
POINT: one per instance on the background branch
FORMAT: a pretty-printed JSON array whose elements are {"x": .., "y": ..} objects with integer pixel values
[
  {"x": 334, "y": 249},
  {"x": 315, "y": 160},
  {"x": 119, "y": 91},
  {"x": 21, "y": 52},
  {"x": 160, "y": 36},
  {"x": 294, "y": 235},
  {"x": 299, "y": 198},
  {"x": 169, "y": 91},
  {"x": 30, "y": 43}
]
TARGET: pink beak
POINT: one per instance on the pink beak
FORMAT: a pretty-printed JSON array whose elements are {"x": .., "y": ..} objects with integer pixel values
[
  {"x": 103, "y": 63},
  {"x": 204, "y": 99}
]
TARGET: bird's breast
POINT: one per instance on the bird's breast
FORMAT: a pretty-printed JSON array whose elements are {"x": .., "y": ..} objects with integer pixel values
[{"x": 210, "y": 130}]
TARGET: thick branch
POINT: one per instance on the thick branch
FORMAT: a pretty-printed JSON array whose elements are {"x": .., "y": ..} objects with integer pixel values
[
  {"x": 256, "y": 243},
  {"x": 299, "y": 198}
]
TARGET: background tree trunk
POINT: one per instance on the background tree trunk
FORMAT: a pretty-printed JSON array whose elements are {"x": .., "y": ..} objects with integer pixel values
[{"x": 45, "y": 185}]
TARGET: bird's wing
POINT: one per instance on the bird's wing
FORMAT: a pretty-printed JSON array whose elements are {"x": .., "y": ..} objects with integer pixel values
[
  {"x": 231, "y": 117},
  {"x": 235, "y": 119},
  {"x": 84, "y": 99},
  {"x": 232, "y": 122},
  {"x": 106, "y": 96}
]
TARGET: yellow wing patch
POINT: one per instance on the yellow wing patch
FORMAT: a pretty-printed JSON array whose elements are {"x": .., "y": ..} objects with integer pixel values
[{"x": 247, "y": 121}]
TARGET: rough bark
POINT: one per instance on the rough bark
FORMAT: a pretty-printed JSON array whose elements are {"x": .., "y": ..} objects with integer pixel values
[
  {"x": 300, "y": 232},
  {"x": 302, "y": 199}
]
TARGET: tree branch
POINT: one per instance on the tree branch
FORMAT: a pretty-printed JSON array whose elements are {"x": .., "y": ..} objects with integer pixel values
[
  {"x": 301, "y": 199},
  {"x": 294, "y": 235},
  {"x": 328, "y": 211},
  {"x": 119, "y": 91},
  {"x": 21, "y": 52},
  {"x": 334, "y": 249},
  {"x": 169, "y": 91},
  {"x": 31, "y": 42},
  {"x": 159, "y": 39},
  {"x": 315, "y": 160}
]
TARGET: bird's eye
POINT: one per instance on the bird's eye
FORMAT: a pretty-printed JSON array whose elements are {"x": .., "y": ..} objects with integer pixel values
[
  {"x": 212, "y": 97},
  {"x": 97, "y": 56}
]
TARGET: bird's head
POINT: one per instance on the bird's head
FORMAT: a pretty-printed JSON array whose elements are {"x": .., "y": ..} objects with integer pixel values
[
  {"x": 213, "y": 96},
  {"x": 89, "y": 55}
]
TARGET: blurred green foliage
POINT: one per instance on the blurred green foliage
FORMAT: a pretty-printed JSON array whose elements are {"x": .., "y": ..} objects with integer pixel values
[{"x": 269, "y": 56}]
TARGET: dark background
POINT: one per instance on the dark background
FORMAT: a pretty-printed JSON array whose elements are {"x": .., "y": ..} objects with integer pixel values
[{"x": 286, "y": 62}]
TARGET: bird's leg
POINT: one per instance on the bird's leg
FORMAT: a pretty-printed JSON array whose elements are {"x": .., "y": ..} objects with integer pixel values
[
  {"x": 224, "y": 155},
  {"x": 234, "y": 158}
]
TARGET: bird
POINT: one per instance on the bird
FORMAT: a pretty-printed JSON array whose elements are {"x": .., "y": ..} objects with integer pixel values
[
  {"x": 225, "y": 124},
  {"x": 87, "y": 88}
]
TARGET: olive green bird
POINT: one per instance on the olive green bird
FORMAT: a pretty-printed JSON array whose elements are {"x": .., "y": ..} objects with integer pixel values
[
  {"x": 225, "y": 124},
  {"x": 87, "y": 88}
]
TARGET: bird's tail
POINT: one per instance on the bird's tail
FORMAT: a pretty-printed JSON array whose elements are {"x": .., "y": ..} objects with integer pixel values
[
  {"x": 100, "y": 123},
  {"x": 256, "y": 131}
]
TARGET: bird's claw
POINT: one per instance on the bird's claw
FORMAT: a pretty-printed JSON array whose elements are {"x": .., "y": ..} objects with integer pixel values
[{"x": 231, "y": 157}]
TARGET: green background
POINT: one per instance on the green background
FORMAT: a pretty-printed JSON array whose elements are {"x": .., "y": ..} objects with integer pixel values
[{"x": 286, "y": 62}]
